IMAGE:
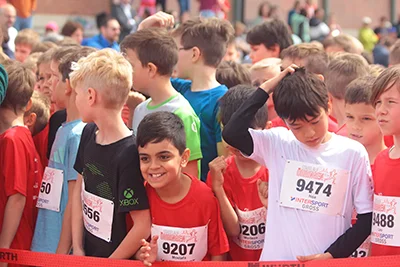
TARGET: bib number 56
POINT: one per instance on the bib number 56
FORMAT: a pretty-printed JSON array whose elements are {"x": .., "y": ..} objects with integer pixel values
[{"x": 91, "y": 214}]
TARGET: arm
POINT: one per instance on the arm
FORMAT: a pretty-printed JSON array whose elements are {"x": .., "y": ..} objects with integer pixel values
[
  {"x": 65, "y": 243},
  {"x": 77, "y": 219},
  {"x": 132, "y": 241},
  {"x": 192, "y": 168},
  {"x": 219, "y": 258},
  {"x": 12, "y": 217}
]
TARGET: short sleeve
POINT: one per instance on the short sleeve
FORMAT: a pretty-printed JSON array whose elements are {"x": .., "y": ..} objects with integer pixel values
[
  {"x": 218, "y": 241},
  {"x": 73, "y": 146},
  {"x": 131, "y": 190},
  {"x": 362, "y": 186},
  {"x": 180, "y": 85},
  {"x": 15, "y": 166}
]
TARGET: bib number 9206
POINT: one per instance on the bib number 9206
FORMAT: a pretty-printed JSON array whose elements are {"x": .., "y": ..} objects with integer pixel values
[
  {"x": 178, "y": 249},
  {"x": 252, "y": 230},
  {"x": 383, "y": 220},
  {"x": 91, "y": 214},
  {"x": 313, "y": 187}
]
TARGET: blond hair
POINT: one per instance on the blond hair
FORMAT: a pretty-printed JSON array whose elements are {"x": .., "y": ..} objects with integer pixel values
[
  {"x": 41, "y": 107},
  {"x": 27, "y": 37},
  {"x": 347, "y": 42},
  {"x": 266, "y": 63},
  {"x": 106, "y": 71}
]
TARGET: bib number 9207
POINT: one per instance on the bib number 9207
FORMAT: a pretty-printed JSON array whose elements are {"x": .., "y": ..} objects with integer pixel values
[
  {"x": 252, "y": 230},
  {"x": 383, "y": 220},
  {"x": 178, "y": 249},
  {"x": 91, "y": 214},
  {"x": 314, "y": 187}
]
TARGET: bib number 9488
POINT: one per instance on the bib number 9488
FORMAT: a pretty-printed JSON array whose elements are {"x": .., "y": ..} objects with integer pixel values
[
  {"x": 383, "y": 220},
  {"x": 91, "y": 214}
]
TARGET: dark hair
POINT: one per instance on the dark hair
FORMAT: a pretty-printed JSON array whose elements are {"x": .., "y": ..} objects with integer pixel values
[
  {"x": 65, "y": 62},
  {"x": 231, "y": 73},
  {"x": 153, "y": 46},
  {"x": 271, "y": 32},
  {"x": 63, "y": 52},
  {"x": 359, "y": 91},
  {"x": 299, "y": 95},
  {"x": 70, "y": 27},
  {"x": 385, "y": 81},
  {"x": 159, "y": 126},
  {"x": 261, "y": 6},
  {"x": 233, "y": 99}
]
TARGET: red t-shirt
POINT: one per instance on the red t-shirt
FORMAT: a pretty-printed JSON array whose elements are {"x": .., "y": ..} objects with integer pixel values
[
  {"x": 41, "y": 141},
  {"x": 20, "y": 172},
  {"x": 198, "y": 208},
  {"x": 386, "y": 183},
  {"x": 243, "y": 194},
  {"x": 332, "y": 125},
  {"x": 389, "y": 142}
]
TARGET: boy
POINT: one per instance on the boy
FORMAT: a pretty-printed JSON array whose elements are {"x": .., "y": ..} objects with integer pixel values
[
  {"x": 24, "y": 43},
  {"x": 53, "y": 226},
  {"x": 231, "y": 74},
  {"x": 151, "y": 76},
  {"x": 20, "y": 166},
  {"x": 109, "y": 183},
  {"x": 234, "y": 182},
  {"x": 232, "y": 51},
  {"x": 386, "y": 99},
  {"x": 199, "y": 235},
  {"x": 37, "y": 117},
  {"x": 343, "y": 43},
  {"x": 311, "y": 188},
  {"x": 268, "y": 39}
]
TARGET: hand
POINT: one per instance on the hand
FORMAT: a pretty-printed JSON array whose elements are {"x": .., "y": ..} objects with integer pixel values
[
  {"x": 148, "y": 251},
  {"x": 217, "y": 168},
  {"x": 160, "y": 19},
  {"x": 134, "y": 99},
  {"x": 263, "y": 192},
  {"x": 324, "y": 256},
  {"x": 269, "y": 86}
]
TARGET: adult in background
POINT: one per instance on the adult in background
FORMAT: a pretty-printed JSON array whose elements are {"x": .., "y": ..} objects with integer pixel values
[
  {"x": 25, "y": 10},
  {"x": 263, "y": 12},
  {"x": 125, "y": 15},
  {"x": 74, "y": 30},
  {"x": 318, "y": 28},
  {"x": 8, "y": 15},
  {"x": 183, "y": 6},
  {"x": 296, "y": 9},
  {"x": 108, "y": 36},
  {"x": 366, "y": 35},
  {"x": 208, "y": 8}
]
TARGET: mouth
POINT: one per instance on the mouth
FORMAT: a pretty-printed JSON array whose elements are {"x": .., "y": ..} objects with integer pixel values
[
  {"x": 313, "y": 141},
  {"x": 156, "y": 176},
  {"x": 355, "y": 136},
  {"x": 382, "y": 122}
]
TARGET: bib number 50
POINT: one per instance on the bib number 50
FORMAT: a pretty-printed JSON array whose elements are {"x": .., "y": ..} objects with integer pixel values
[
  {"x": 45, "y": 188},
  {"x": 91, "y": 214}
]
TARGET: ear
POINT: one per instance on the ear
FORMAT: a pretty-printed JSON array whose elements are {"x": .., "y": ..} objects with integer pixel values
[
  {"x": 68, "y": 89},
  {"x": 29, "y": 105},
  {"x": 329, "y": 106},
  {"x": 321, "y": 77},
  {"x": 275, "y": 50},
  {"x": 152, "y": 69},
  {"x": 269, "y": 125},
  {"x": 330, "y": 97},
  {"x": 196, "y": 54},
  {"x": 92, "y": 96},
  {"x": 30, "y": 120},
  {"x": 185, "y": 157}
]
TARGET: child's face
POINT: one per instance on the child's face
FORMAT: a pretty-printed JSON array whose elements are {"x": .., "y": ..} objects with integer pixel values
[
  {"x": 44, "y": 82},
  {"x": 387, "y": 111},
  {"x": 259, "y": 76},
  {"x": 77, "y": 36},
  {"x": 57, "y": 85},
  {"x": 184, "y": 60},
  {"x": 82, "y": 101},
  {"x": 22, "y": 52},
  {"x": 161, "y": 163},
  {"x": 362, "y": 125},
  {"x": 312, "y": 132},
  {"x": 140, "y": 74},
  {"x": 259, "y": 52},
  {"x": 232, "y": 54}
]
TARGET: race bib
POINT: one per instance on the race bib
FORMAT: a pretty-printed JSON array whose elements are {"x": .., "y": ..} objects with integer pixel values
[
  {"x": 97, "y": 215},
  {"x": 314, "y": 188},
  {"x": 363, "y": 250},
  {"x": 385, "y": 221},
  {"x": 51, "y": 189},
  {"x": 181, "y": 244},
  {"x": 252, "y": 228}
]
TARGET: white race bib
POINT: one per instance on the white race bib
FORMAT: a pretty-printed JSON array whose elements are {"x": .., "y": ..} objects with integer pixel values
[
  {"x": 181, "y": 244},
  {"x": 363, "y": 250},
  {"x": 97, "y": 215},
  {"x": 315, "y": 188},
  {"x": 386, "y": 221},
  {"x": 51, "y": 189},
  {"x": 252, "y": 228}
]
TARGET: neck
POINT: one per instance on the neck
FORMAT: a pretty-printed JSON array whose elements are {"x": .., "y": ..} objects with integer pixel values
[
  {"x": 111, "y": 126},
  {"x": 247, "y": 167},
  {"x": 163, "y": 90},
  {"x": 9, "y": 119},
  {"x": 204, "y": 78},
  {"x": 395, "y": 152},
  {"x": 272, "y": 113},
  {"x": 176, "y": 190},
  {"x": 374, "y": 149},
  {"x": 72, "y": 111},
  {"x": 338, "y": 112}
]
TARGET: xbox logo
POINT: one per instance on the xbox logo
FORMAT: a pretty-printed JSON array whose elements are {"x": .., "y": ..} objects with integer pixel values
[{"x": 128, "y": 193}]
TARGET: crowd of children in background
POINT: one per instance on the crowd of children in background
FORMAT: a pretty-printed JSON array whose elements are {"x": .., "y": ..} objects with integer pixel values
[{"x": 172, "y": 150}]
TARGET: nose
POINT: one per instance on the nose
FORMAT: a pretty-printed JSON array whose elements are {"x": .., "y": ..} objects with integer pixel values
[
  {"x": 380, "y": 109},
  {"x": 355, "y": 125},
  {"x": 310, "y": 132},
  {"x": 154, "y": 165}
]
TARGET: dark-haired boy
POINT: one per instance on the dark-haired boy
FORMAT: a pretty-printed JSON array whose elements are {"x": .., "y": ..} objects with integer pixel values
[
  {"x": 234, "y": 182},
  {"x": 315, "y": 177},
  {"x": 153, "y": 55},
  {"x": 172, "y": 193}
]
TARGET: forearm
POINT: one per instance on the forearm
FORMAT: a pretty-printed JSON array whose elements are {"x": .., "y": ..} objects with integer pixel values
[
  {"x": 77, "y": 217},
  {"x": 347, "y": 243},
  {"x": 219, "y": 258},
  {"x": 65, "y": 243},
  {"x": 228, "y": 214},
  {"x": 236, "y": 133},
  {"x": 12, "y": 216}
]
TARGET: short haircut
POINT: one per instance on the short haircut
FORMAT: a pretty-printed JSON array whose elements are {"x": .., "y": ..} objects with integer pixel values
[
  {"x": 271, "y": 32},
  {"x": 394, "y": 56},
  {"x": 385, "y": 81},
  {"x": 41, "y": 107},
  {"x": 375, "y": 70},
  {"x": 108, "y": 72},
  {"x": 68, "y": 41},
  {"x": 43, "y": 47},
  {"x": 27, "y": 37},
  {"x": 63, "y": 52},
  {"x": 266, "y": 63},
  {"x": 347, "y": 42},
  {"x": 159, "y": 126},
  {"x": 299, "y": 95},
  {"x": 342, "y": 70},
  {"x": 231, "y": 73},
  {"x": 316, "y": 59},
  {"x": 65, "y": 62},
  {"x": 359, "y": 91},
  {"x": 210, "y": 35},
  {"x": 21, "y": 82},
  {"x": 233, "y": 99},
  {"x": 153, "y": 46},
  {"x": 70, "y": 27},
  {"x": 46, "y": 56}
]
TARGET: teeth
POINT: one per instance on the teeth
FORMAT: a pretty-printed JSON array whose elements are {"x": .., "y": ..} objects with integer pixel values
[{"x": 156, "y": 175}]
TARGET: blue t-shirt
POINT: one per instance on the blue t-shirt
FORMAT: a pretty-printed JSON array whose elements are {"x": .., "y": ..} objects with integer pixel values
[
  {"x": 62, "y": 157},
  {"x": 205, "y": 104},
  {"x": 99, "y": 42}
]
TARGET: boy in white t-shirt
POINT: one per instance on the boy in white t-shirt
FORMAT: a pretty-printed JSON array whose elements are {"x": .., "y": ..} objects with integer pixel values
[{"x": 315, "y": 177}]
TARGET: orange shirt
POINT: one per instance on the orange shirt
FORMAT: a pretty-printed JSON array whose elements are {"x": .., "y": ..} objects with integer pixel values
[{"x": 24, "y": 7}]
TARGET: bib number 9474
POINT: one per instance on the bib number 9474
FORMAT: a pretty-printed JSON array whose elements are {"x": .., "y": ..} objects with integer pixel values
[{"x": 314, "y": 187}]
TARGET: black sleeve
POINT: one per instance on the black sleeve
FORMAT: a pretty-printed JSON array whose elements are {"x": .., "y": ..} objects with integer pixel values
[
  {"x": 236, "y": 131},
  {"x": 85, "y": 138},
  {"x": 58, "y": 118},
  {"x": 131, "y": 191},
  {"x": 347, "y": 243}
]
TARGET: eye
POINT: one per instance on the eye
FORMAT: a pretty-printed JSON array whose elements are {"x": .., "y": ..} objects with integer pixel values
[
  {"x": 392, "y": 102},
  {"x": 378, "y": 102},
  {"x": 367, "y": 119},
  {"x": 349, "y": 117},
  {"x": 144, "y": 159},
  {"x": 315, "y": 122},
  {"x": 165, "y": 157}
]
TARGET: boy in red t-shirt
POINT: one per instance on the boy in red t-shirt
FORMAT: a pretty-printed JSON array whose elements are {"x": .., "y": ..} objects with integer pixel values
[
  {"x": 186, "y": 223},
  {"x": 235, "y": 183},
  {"x": 385, "y": 235},
  {"x": 20, "y": 166}
]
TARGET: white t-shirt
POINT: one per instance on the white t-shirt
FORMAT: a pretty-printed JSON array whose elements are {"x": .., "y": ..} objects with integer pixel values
[
  {"x": 12, "y": 33},
  {"x": 294, "y": 232}
]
